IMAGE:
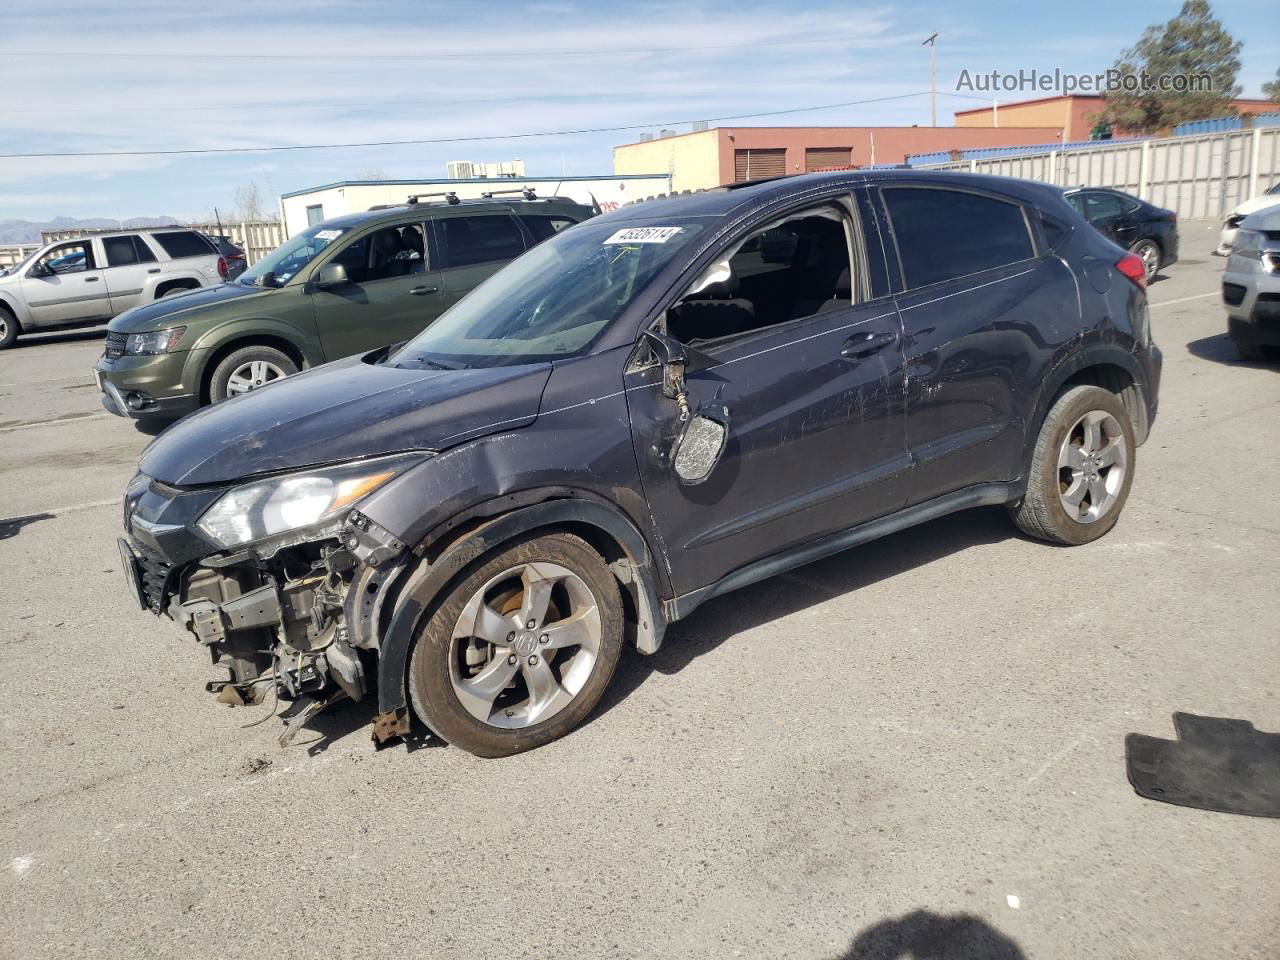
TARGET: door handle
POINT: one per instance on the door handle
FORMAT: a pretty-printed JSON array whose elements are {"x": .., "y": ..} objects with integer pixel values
[
  {"x": 154, "y": 270},
  {"x": 91, "y": 279},
  {"x": 862, "y": 345},
  {"x": 423, "y": 291}
]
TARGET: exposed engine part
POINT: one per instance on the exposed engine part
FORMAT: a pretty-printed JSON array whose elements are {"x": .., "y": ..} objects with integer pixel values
[{"x": 370, "y": 543}]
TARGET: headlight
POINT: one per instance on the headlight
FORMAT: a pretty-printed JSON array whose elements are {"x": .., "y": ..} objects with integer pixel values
[
  {"x": 295, "y": 501},
  {"x": 158, "y": 341}
]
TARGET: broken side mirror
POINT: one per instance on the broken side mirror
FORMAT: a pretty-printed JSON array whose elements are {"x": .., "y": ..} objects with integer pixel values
[
  {"x": 700, "y": 444},
  {"x": 671, "y": 354}
]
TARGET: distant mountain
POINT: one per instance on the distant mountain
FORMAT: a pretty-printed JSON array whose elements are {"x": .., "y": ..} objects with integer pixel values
[{"x": 28, "y": 231}]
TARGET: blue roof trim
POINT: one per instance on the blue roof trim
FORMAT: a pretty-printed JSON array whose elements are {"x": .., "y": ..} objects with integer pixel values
[{"x": 513, "y": 181}]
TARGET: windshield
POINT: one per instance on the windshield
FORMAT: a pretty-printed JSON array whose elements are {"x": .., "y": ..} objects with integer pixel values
[
  {"x": 552, "y": 302},
  {"x": 283, "y": 263}
]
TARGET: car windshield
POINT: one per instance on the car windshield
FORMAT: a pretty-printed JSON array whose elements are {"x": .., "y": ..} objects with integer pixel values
[
  {"x": 552, "y": 302},
  {"x": 15, "y": 267},
  {"x": 283, "y": 263}
]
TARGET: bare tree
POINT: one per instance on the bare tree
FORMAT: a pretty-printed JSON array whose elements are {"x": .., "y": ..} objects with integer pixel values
[
  {"x": 248, "y": 203},
  {"x": 373, "y": 173}
]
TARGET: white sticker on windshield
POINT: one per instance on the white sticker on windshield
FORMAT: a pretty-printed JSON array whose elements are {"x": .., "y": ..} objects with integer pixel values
[
  {"x": 328, "y": 234},
  {"x": 644, "y": 235}
]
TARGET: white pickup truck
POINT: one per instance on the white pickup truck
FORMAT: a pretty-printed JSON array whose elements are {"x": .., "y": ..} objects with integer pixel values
[{"x": 88, "y": 280}]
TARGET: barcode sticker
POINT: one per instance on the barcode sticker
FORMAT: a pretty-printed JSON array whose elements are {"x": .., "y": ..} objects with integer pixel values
[{"x": 644, "y": 235}]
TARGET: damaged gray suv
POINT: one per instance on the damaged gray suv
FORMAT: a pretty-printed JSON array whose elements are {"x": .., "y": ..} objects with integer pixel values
[{"x": 652, "y": 408}]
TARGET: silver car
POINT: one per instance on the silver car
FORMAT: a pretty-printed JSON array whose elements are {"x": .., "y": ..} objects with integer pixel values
[
  {"x": 1251, "y": 286},
  {"x": 73, "y": 283}
]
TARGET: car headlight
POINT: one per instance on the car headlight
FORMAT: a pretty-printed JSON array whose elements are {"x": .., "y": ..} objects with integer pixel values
[
  {"x": 297, "y": 501},
  {"x": 157, "y": 341}
]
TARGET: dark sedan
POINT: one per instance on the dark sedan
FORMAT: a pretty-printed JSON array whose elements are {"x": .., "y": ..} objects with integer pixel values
[{"x": 1148, "y": 231}]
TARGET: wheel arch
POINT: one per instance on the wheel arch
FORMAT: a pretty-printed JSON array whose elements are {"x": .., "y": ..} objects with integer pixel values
[
  {"x": 453, "y": 546},
  {"x": 10, "y": 303},
  {"x": 179, "y": 282},
  {"x": 229, "y": 343},
  {"x": 1100, "y": 365}
]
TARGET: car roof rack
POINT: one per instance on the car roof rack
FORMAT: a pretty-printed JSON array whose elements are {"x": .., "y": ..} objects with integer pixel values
[
  {"x": 450, "y": 197},
  {"x": 527, "y": 192}
]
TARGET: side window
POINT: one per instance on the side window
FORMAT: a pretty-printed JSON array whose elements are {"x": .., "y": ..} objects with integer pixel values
[
  {"x": 945, "y": 234},
  {"x": 66, "y": 258},
  {"x": 1077, "y": 202},
  {"x": 544, "y": 227},
  {"x": 1100, "y": 206},
  {"x": 793, "y": 268},
  {"x": 478, "y": 239},
  {"x": 183, "y": 243},
  {"x": 121, "y": 251},
  {"x": 397, "y": 252},
  {"x": 390, "y": 252},
  {"x": 315, "y": 214},
  {"x": 142, "y": 251}
]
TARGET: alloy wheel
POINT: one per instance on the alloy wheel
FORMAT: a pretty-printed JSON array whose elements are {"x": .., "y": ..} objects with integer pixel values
[
  {"x": 251, "y": 375},
  {"x": 1150, "y": 256},
  {"x": 525, "y": 645},
  {"x": 1092, "y": 463}
]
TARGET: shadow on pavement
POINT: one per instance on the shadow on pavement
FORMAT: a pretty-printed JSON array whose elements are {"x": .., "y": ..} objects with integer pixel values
[
  {"x": 723, "y": 617},
  {"x": 1220, "y": 349},
  {"x": 921, "y": 935},
  {"x": 12, "y": 526}
]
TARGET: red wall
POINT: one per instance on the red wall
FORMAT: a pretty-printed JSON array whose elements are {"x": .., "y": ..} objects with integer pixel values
[{"x": 892, "y": 144}]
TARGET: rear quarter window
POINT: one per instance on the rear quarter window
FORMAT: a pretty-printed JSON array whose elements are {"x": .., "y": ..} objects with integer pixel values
[
  {"x": 183, "y": 243},
  {"x": 945, "y": 234}
]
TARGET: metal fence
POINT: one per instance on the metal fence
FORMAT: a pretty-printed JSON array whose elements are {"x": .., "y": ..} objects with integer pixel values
[
  {"x": 1197, "y": 177},
  {"x": 11, "y": 253},
  {"x": 256, "y": 238}
]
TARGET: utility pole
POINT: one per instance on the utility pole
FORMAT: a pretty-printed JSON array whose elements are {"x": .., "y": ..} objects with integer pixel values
[{"x": 933, "y": 79}]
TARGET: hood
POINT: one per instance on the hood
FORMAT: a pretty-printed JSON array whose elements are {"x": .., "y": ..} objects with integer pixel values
[
  {"x": 1267, "y": 218},
  {"x": 1256, "y": 204},
  {"x": 165, "y": 311},
  {"x": 343, "y": 411}
]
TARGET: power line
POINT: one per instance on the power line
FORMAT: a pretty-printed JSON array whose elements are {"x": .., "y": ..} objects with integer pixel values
[
  {"x": 475, "y": 55},
  {"x": 440, "y": 140}
]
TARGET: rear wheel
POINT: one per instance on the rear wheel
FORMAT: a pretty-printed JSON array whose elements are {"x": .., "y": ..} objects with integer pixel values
[
  {"x": 521, "y": 649},
  {"x": 248, "y": 369},
  {"x": 1148, "y": 251},
  {"x": 1081, "y": 468},
  {"x": 8, "y": 328}
]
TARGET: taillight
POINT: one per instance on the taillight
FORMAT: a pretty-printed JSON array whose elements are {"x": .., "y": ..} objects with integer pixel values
[
  {"x": 222, "y": 267},
  {"x": 1133, "y": 268}
]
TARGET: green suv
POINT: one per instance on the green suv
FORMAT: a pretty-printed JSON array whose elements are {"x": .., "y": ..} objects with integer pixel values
[{"x": 344, "y": 286}]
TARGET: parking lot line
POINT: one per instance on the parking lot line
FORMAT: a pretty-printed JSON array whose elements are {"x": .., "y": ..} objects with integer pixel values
[
  {"x": 54, "y": 421},
  {"x": 1197, "y": 296}
]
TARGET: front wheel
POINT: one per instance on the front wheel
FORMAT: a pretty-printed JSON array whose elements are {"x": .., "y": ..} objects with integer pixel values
[
  {"x": 8, "y": 329},
  {"x": 248, "y": 369},
  {"x": 521, "y": 649},
  {"x": 1081, "y": 468}
]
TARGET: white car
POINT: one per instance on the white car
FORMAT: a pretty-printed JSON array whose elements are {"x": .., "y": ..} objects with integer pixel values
[
  {"x": 1269, "y": 199},
  {"x": 76, "y": 283},
  {"x": 1251, "y": 286}
]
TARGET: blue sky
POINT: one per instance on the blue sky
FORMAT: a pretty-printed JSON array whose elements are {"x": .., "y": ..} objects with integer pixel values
[{"x": 150, "y": 75}]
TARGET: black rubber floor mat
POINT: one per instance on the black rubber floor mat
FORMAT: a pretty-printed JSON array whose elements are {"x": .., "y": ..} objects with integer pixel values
[{"x": 1215, "y": 764}]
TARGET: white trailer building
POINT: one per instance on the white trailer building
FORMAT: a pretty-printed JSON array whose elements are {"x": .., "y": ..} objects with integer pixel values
[{"x": 302, "y": 208}]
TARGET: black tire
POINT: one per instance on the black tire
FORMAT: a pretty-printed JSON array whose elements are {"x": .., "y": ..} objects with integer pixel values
[
  {"x": 174, "y": 291},
  {"x": 218, "y": 381},
  {"x": 9, "y": 328},
  {"x": 1148, "y": 251},
  {"x": 1041, "y": 512},
  {"x": 1249, "y": 352},
  {"x": 431, "y": 688}
]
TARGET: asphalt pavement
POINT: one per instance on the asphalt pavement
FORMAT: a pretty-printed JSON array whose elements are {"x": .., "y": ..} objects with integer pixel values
[{"x": 917, "y": 742}]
